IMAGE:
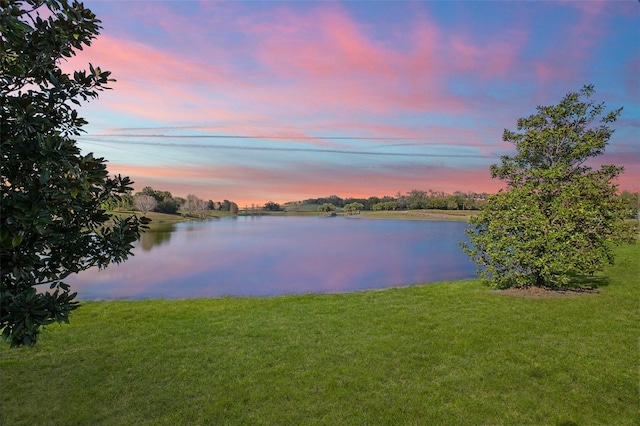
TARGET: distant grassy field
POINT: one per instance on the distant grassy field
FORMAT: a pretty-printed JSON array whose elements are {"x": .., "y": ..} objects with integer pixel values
[
  {"x": 421, "y": 214},
  {"x": 427, "y": 214},
  {"x": 157, "y": 217},
  {"x": 443, "y": 354},
  {"x": 310, "y": 210}
]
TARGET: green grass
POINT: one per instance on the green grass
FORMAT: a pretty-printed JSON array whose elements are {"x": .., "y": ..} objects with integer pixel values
[
  {"x": 161, "y": 218},
  {"x": 449, "y": 353},
  {"x": 423, "y": 214}
]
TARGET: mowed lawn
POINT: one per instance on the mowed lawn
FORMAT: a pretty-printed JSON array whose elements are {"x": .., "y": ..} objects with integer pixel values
[{"x": 448, "y": 353}]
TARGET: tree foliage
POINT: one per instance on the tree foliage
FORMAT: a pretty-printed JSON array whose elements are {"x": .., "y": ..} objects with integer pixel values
[
  {"x": 327, "y": 208},
  {"x": 271, "y": 206},
  {"x": 52, "y": 223},
  {"x": 387, "y": 205},
  {"x": 165, "y": 202},
  {"x": 353, "y": 208},
  {"x": 415, "y": 199},
  {"x": 558, "y": 217}
]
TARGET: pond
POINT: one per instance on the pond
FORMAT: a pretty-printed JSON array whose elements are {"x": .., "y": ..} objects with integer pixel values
[{"x": 269, "y": 256}]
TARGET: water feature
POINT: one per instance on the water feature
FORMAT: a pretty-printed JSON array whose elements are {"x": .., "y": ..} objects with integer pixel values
[{"x": 268, "y": 256}]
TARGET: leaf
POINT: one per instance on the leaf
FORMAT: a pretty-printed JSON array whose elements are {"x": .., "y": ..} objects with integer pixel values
[
  {"x": 16, "y": 240},
  {"x": 4, "y": 233},
  {"x": 44, "y": 176}
]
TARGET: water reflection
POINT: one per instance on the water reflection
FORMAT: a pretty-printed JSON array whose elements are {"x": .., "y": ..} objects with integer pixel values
[
  {"x": 282, "y": 255},
  {"x": 156, "y": 235}
]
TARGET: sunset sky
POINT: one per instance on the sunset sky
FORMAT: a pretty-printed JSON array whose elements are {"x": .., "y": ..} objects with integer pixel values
[{"x": 283, "y": 101}]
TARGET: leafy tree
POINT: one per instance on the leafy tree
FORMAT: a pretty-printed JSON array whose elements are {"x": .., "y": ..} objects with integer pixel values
[
  {"x": 166, "y": 203},
  {"x": 631, "y": 200},
  {"x": 557, "y": 216},
  {"x": 402, "y": 201},
  {"x": 416, "y": 199},
  {"x": 353, "y": 208},
  {"x": 387, "y": 205},
  {"x": 147, "y": 190},
  {"x": 372, "y": 201},
  {"x": 437, "y": 200},
  {"x": 52, "y": 223},
  {"x": 126, "y": 201},
  {"x": 271, "y": 206},
  {"x": 169, "y": 206},
  {"x": 327, "y": 208}
]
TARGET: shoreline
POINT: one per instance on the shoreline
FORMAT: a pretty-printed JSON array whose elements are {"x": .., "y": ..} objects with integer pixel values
[{"x": 426, "y": 214}]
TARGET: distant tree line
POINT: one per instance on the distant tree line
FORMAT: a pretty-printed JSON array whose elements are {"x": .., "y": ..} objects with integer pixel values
[
  {"x": 416, "y": 199},
  {"x": 152, "y": 200},
  {"x": 420, "y": 200}
]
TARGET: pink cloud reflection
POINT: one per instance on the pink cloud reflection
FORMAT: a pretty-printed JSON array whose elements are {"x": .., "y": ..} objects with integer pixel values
[{"x": 273, "y": 256}]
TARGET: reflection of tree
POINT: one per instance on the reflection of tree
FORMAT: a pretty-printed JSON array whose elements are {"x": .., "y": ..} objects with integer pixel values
[{"x": 156, "y": 235}]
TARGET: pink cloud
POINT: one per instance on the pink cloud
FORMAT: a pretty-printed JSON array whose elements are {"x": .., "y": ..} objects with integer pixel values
[
  {"x": 338, "y": 66},
  {"x": 287, "y": 72},
  {"x": 318, "y": 63},
  {"x": 574, "y": 46},
  {"x": 496, "y": 58},
  {"x": 632, "y": 78}
]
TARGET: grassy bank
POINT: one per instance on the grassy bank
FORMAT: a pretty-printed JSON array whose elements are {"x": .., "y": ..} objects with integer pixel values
[
  {"x": 305, "y": 210},
  {"x": 164, "y": 218},
  {"x": 427, "y": 214},
  {"x": 449, "y": 353}
]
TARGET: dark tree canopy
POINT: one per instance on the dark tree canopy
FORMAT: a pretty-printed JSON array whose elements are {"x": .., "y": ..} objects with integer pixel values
[
  {"x": 558, "y": 217},
  {"x": 52, "y": 224},
  {"x": 270, "y": 205}
]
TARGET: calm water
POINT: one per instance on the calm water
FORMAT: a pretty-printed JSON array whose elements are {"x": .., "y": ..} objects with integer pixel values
[{"x": 266, "y": 256}]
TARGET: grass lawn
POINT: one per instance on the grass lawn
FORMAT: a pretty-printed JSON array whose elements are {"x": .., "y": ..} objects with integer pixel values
[
  {"x": 424, "y": 214},
  {"x": 449, "y": 353},
  {"x": 162, "y": 218}
]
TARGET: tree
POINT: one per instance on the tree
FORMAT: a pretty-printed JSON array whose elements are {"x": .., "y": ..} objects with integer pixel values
[
  {"x": 201, "y": 207},
  {"x": 52, "y": 223},
  {"x": 416, "y": 199},
  {"x": 353, "y": 208},
  {"x": 327, "y": 208},
  {"x": 271, "y": 206},
  {"x": 631, "y": 200},
  {"x": 166, "y": 203},
  {"x": 557, "y": 217},
  {"x": 192, "y": 203},
  {"x": 145, "y": 203},
  {"x": 387, "y": 205}
]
